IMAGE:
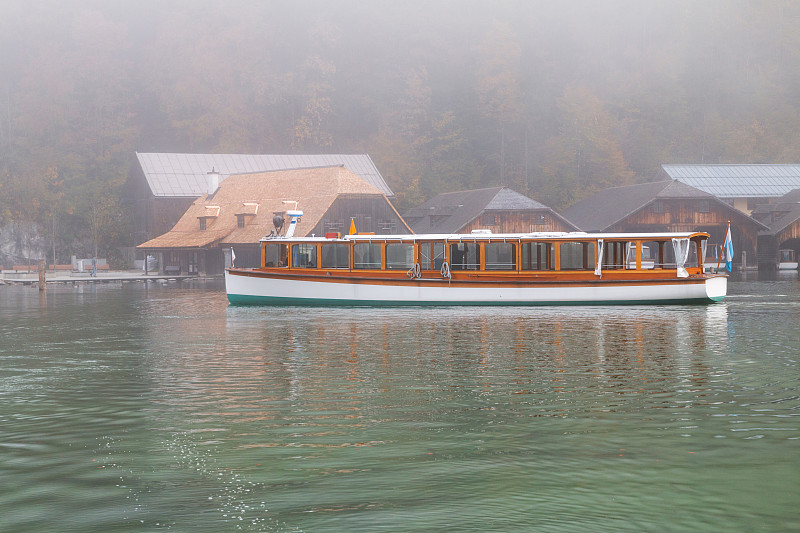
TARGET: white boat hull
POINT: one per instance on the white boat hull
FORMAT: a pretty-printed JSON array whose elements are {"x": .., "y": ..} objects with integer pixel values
[
  {"x": 245, "y": 288},
  {"x": 787, "y": 265}
]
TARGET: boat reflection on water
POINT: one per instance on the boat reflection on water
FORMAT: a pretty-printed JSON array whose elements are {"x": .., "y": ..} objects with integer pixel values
[{"x": 314, "y": 351}]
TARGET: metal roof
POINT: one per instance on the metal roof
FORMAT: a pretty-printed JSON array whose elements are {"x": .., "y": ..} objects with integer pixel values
[
  {"x": 184, "y": 175},
  {"x": 738, "y": 181}
]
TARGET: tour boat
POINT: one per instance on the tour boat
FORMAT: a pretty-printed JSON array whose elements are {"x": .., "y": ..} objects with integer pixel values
[
  {"x": 480, "y": 268},
  {"x": 787, "y": 260}
]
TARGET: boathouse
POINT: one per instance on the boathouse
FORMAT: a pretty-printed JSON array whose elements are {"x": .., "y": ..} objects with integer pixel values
[
  {"x": 498, "y": 209},
  {"x": 783, "y": 219},
  {"x": 164, "y": 185},
  {"x": 237, "y": 212},
  {"x": 667, "y": 206},
  {"x": 742, "y": 186}
]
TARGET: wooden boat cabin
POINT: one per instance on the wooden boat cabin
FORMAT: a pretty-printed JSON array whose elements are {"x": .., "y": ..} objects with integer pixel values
[{"x": 483, "y": 255}]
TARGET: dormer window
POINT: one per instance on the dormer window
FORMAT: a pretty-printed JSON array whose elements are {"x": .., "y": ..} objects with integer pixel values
[
  {"x": 245, "y": 213},
  {"x": 209, "y": 211}
]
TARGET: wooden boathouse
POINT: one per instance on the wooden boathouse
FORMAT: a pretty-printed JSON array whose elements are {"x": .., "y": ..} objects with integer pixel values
[
  {"x": 498, "y": 209},
  {"x": 666, "y": 206},
  {"x": 236, "y": 213}
]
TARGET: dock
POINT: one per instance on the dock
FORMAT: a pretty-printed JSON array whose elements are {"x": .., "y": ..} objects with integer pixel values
[{"x": 12, "y": 277}]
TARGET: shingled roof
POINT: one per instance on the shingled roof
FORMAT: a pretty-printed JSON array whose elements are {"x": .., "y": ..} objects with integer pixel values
[
  {"x": 257, "y": 196},
  {"x": 609, "y": 206},
  {"x": 184, "y": 175},
  {"x": 449, "y": 212}
]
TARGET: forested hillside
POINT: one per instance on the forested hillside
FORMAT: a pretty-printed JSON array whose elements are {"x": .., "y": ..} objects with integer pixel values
[{"x": 554, "y": 99}]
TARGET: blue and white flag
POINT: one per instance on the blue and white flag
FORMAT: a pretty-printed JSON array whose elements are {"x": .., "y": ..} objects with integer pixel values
[{"x": 728, "y": 246}]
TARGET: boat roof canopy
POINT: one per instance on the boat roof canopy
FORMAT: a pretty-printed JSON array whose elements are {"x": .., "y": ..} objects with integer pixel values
[{"x": 487, "y": 236}]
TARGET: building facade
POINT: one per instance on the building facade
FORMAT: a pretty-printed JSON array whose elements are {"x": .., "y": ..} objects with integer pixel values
[
  {"x": 498, "y": 209},
  {"x": 667, "y": 206},
  {"x": 231, "y": 218}
]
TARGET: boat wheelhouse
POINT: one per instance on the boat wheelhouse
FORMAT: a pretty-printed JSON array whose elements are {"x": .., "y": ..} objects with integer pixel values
[{"x": 480, "y": 268}]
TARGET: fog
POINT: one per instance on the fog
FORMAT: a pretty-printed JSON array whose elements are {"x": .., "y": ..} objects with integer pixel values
[{"x": 554, "y": 99}]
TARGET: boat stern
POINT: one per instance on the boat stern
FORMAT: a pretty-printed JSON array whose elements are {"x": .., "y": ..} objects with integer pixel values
[{"x": 717, "y": 287}]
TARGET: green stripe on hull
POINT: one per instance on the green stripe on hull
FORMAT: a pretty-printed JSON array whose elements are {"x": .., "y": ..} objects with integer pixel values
[{"x": 245, "y": 299}]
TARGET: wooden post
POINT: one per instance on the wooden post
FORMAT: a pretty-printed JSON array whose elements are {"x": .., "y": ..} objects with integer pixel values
[{"x": 42, "y": 280}]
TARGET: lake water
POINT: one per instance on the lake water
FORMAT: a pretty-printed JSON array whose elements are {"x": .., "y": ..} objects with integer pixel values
[{"x": 145, "y": 407}]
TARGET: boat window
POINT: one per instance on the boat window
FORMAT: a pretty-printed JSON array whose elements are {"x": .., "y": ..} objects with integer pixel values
[
  {"x": 649, "y": 255},
  {"x": 577, "y": 256},
  {"x": 537, "y": 255},
  {"x": 668, "y": 255},
  {"x": 276, "y": 255},
  {"x": 465, "y": 256},
  {"x": 335, "y": 255},
  {"x": 366, "y": 255},
  {"x": 399, "y": 256},
  {"x": 304, "y": 255},
  {"x": 691, "y": 260},
  {"x": 500, "y": 256},
  {"x": 619, "y": 255},
  {"x": 431, "y": 255},
  {"x": 652, "y": 254}
]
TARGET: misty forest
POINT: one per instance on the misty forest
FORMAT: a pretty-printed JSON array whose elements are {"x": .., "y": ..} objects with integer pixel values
[{"x": 553, "y": 99}]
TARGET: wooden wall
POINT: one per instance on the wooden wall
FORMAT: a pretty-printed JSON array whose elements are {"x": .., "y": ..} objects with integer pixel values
[
  {"x": 372, "y": 213},
  {"x": 791, "y": 232},
  {"x": 711, "y": 216}
]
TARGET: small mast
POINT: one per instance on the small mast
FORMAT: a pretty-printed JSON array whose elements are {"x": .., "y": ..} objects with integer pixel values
[{"x": 294, "y": 217}]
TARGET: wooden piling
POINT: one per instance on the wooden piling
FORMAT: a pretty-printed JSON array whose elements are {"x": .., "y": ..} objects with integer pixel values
[{"x": 42, "y": 280}]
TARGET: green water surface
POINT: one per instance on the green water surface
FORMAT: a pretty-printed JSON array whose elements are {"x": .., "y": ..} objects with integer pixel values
[{"x": 146, "y": 407}]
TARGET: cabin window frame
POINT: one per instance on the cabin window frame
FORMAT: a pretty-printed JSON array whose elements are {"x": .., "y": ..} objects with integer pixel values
[
  {"x": 284, "y": 256},
  {"x": 468, "y": 263},
  {"x": 581, "y": 260},
  {"x": 341, "y": 261},
  {"x": 296, "y": 255},
  {"x": 371, "y": 264},
  {"x": 428, "y": 257},
  {"x": 543, "y": 261},
  {"x": 409, "y": 260},
  {"x": 496, "y": 265}
]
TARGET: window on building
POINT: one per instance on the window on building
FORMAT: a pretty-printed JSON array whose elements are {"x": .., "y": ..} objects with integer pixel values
[
  {"x": 276, "y": 255},
  {"x": 399, "y": 256},
  {"x": 388, "y": 227},
  {"x": 538, "y": 220},
  {"x": 490, "y": 220},
  {"x": 203, "y": 224},
  {"x": 465, "y": 256},
  {"x": 577, "y": 255},
  {"x": 537, "y": 256},
  {"x": 335, "y": 255},
  {"x": 334, "y": 226},
  {"x": 240, "y": 221},
  {"x": 304, "y": 255},
  {"x": 704, "y": 206},
  {"x": 366, "y": 255},
  {"x": 658, "y": 206}
]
